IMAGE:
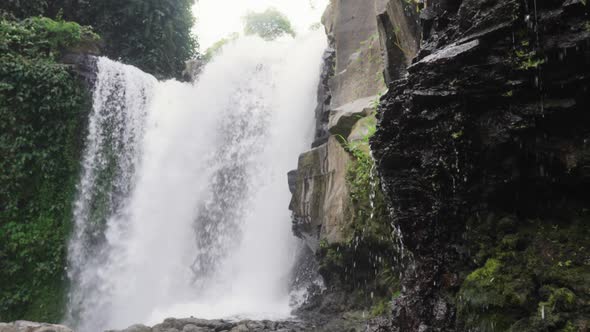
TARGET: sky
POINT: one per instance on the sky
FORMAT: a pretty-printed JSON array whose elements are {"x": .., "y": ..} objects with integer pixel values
[{"x": 217, "y": 19}]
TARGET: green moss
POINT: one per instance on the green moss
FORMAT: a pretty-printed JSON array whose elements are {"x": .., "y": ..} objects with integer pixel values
[
  {"x": 569, "y": 327},
  {"x": 486, "y": 274},
  {"x": 533, "y": 275},
  {"x": 561, "y": 299},
  {"x": 380, "y": 308},
  {"x": 363, "y": 260}
]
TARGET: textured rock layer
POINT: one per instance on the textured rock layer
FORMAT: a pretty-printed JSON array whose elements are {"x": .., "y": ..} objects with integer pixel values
[{"x": 490, "y": 123}]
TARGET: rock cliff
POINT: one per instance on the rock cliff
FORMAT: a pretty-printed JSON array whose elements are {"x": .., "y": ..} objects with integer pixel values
[
  {"x": 482, "y": 150},
  {"x": 335, "y": 195},
  {"x": 337, "y": 204}
]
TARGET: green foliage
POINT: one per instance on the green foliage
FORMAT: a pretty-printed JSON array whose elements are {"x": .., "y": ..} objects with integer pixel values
[
  {"x": 154, "y": 35},
  {"x": 363, "y": 184},
  {"x": 38, "y": 36},
  {"x": 528, "y": 60},
  {"x": 42, "y": 110},
  {"x": 526, "y": 55},
  {"x": 269, "y": 24},
  {"x": 216, "y": 48},
  {"x": 457, "y": 135},
  {"x": 24, "y": 8}
]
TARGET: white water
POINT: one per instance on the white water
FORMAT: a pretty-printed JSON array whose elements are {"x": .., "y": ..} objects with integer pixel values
[{"x": 183, "y": 203}]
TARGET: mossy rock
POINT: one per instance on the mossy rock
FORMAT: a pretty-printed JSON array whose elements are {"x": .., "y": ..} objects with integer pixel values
[
  {"x": 536, "y": 276},
  {"x": 488, "y": 291}
]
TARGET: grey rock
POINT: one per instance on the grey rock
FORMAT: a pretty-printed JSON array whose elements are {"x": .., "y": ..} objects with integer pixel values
[
  {"x": 352, "y": 27},
  {"x": 5, "y": 327},
  {"x": 138, "y": 328},
  {"x": 27, "y": 326},
  {"x": 321, "y": 195},
  {"x": 343, "y": 118},
  {"x": 448, "y": 53},
  {"x": 194, "y": 328},
  {"x": 292, "y": 180},
  {"x": 240, "y": 328}
]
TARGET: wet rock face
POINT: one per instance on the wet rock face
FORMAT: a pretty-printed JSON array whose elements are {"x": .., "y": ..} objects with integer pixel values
[{"x": 490, "y": 120}]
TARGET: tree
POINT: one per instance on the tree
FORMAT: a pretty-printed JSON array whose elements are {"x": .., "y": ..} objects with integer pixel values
[
  {"x": 269, "y": 24},
  {"x": 24, "y": 8},
  {"x": 154, "y": 35}
]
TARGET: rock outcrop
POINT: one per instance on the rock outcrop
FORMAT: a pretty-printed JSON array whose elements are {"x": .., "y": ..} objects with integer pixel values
[
  {"x": 349, "y": 86},
  {"x": 81, "y": 58},
  {"x": 320, "y": 198},
  {"x": 352, "y": 27},
  {"x": 483, "y": 154},
  {"x": 337, "y": 206},
  {"x": 202, "y": 325},
  {"x": 26, "y": 326}
]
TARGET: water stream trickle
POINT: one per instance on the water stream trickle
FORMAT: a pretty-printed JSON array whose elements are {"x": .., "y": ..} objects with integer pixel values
[{"x": 182, "y": 206}]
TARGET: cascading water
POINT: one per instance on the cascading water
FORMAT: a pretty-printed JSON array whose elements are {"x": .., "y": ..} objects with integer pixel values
[{"x": 183, "y": 202}]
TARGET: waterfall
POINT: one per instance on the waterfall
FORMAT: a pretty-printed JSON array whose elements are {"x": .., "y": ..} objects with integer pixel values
[{"x": 182, "y": 206}]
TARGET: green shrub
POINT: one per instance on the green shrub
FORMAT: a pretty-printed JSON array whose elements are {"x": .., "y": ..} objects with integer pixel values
[{"x": 41, "y": 37}]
